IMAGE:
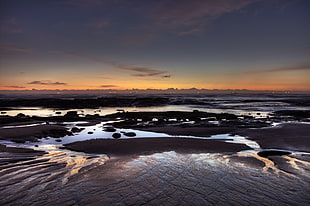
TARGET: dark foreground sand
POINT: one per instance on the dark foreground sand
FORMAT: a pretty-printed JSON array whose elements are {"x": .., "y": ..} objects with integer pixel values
[
  {"x": 159, "y": 179},
  {"x": 147, "y": 146}
]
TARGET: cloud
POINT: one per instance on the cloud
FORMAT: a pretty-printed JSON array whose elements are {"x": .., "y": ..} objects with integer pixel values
[
  {"x": 178, "y": 17},
  {"x": 10, "y": 26},
  {"x": 143, "y": 71},
  {"x": 100, "y": 24},
  {"x": 15, "y": 87},
  {"x": 285, "y": 69},
  {"x": 190, "y": 17},
  {"x": 84, "y": 3},
  {"x": 139, "y": 71},
  {"x": 108, "y": 86},
  {"x": 12, "y": 31},
  {"x": 13, "y": 47},
  {"x": 10, "y": 21},
  {"x": 79, "y": 56},
  {"x": 47, "y": 82},
  {"x": 189, "y": 32},
  {"x": 137, "y": 39}
]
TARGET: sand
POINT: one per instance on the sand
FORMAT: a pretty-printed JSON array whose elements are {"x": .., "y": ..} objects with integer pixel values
[
  {"x": 147, "y": 146},
  {"x": 32, "y": 133},
  {"x": 289, "y": 136}
]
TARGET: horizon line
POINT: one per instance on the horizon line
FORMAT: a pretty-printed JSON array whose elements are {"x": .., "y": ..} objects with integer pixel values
[{"x": 149, "y": 89}]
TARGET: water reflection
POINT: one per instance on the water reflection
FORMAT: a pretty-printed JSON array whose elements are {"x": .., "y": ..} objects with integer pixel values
[{"x": 47, "y": 112}]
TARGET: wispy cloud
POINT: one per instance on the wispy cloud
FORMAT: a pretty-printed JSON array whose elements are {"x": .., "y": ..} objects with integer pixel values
[
  {"x": 139, "y": 70},
  {"x": 137, "y": 39},
  {"x": 84, "y": 3},
  {"x": 10, "y": 26},
  {"x": 100, "y": 24},
  {"x": 190, "y": 17},
  {"x": 108, "y": 86},
  {"x": 284, "y": 69},
  {"x": 79, "y": 56},
  {"x": 13, "y": 47},
  {"x": 179, "y": 17},
  {"x": 15, "y": 87},
  {"x": 47, "y": 82},
  {"x": 166, "y": 76},
  {"x": 189, "y": 32},
  {"x": 12, "y": 31},
  {"x": 144, "y": 71}
]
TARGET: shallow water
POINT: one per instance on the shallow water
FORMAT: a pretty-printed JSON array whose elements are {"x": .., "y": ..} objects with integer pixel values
[
  {"x": 48, "y": 112},
  {"x": 97, "y": 132}
]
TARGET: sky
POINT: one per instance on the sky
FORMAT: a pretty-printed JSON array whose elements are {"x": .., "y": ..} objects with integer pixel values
[{"x": 156, "y": 44}]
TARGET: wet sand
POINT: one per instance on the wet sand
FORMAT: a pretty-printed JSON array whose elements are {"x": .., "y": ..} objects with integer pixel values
[
  {"x": 160, "y": 179},
  {"x": 4, "y": 148},
  {"x": 289, "y": 136},
  {"x": 143, "y": 171},
  {"x": 32, "y": 133},
  {"x": 147, "y": 146},
  {"x": 15, "y": 154}
]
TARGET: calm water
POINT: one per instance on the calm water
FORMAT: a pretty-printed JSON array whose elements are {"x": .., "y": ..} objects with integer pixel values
[{"x": 47, "y": 112}]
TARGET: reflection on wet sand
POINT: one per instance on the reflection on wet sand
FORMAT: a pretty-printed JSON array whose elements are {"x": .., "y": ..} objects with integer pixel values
[
  {"x": 22, "y": 181},
  {"x": 74, "y": 161},
  {"x": 293, "y": 162},
  {"x": 167, "y": 178},
  {"x": 273, "y": 164}
]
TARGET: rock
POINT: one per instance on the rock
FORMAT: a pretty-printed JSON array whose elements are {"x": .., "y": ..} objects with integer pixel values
[
  {"x": 76, "y": 129},
  {"x": 116, "y": 135},
  {"x": 18, "y": 140},
  {"x": 57, "y": 112},
  {"x": 130, "y": 134},
  {"x": 21, "y": 115},
  {"x": 90, "y": 132},
  {"x": 58, "y": 140},
  {"x": 109, "y": 129},
  {"x": 71, "y": 114},
  {"x": 57, "y": 133}
]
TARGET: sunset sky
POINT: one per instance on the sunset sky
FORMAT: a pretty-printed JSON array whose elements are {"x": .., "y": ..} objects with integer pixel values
[{"x": 159, "y": 44}]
